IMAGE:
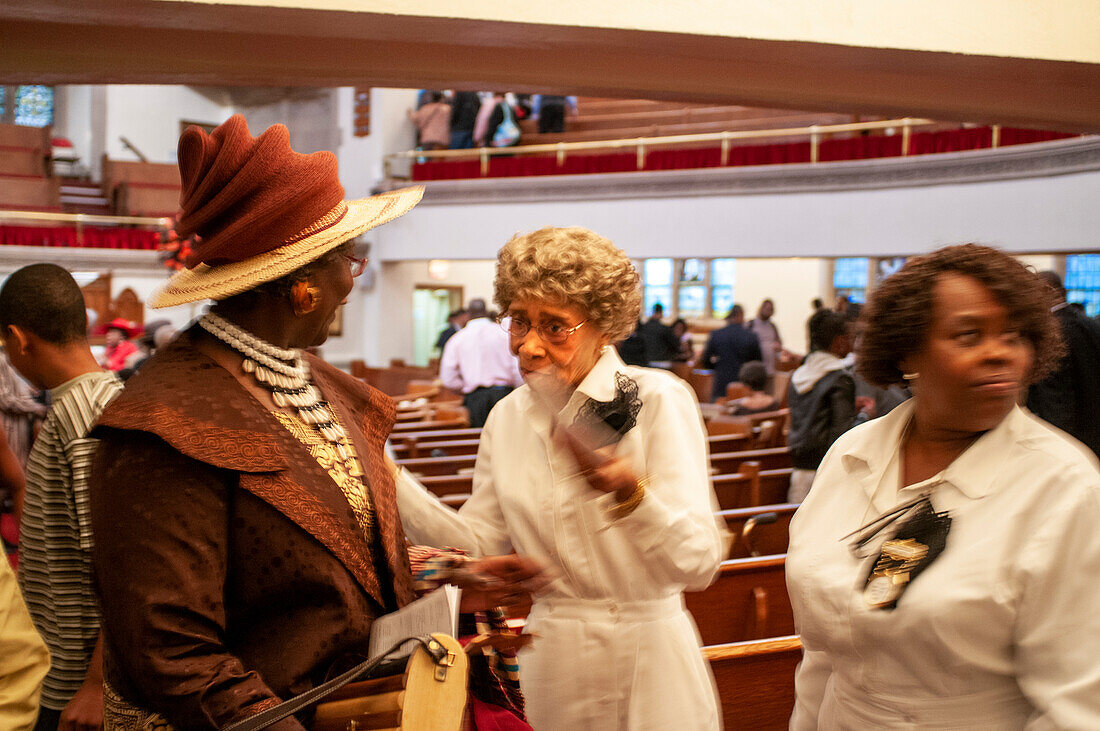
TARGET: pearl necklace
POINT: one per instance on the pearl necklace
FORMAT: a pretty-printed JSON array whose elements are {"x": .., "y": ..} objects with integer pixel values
[{"x": 282, "y": 371}]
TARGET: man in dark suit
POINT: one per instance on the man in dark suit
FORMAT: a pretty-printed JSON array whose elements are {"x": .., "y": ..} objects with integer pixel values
[
  {"x": 661, "y": 344},
  {"x": 728, "y": 349},
  {"x": 1069, "y": 398}
]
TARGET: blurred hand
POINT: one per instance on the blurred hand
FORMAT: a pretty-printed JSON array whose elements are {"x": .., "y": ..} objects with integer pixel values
[
  {"x": 85, "y": 711},
  {"x": 602, "y": 470},
  {"x": 865, "y": 404},
  {"x": 496, "y": 581}
]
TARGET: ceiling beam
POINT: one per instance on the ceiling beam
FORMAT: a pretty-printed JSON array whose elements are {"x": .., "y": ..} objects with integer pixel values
[{"x": 143, "y": 41}]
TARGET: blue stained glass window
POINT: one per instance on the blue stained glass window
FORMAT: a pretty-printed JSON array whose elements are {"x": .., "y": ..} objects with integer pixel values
[
  {"x": 658, "y": 295},
  {"x": 721, "y": 300},
  {"x": 34, "y": 105},
  {"x": 658, "y": 271},
  {"x": 723, "y": 279},
  {"x": 3, "y": 95},
  {"x": 694, "y": 271},
  {"x": 850, "y": 277},
  {"x": 1083, "y": 281},
  {"x": 693, "y": 301}
]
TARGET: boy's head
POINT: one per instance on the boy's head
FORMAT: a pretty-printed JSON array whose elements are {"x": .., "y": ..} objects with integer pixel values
[
  {"x": 40, "y": 304},
  {"x": 829, "y": 331}
]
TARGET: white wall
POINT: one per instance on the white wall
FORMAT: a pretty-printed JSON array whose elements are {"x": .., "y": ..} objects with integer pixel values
[
  {"x": 791, "y": 284},
  {"x": 149, "y": 116},
  {"x": 1057, "y": 213}
]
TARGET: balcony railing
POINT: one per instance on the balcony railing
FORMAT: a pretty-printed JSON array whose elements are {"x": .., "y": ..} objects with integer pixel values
[
  {"x": 34, "y": 228},
  {"x": 816, "y": 133}
]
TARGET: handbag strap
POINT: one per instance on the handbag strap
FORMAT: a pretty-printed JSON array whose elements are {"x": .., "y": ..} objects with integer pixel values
[{"x": 265, "y": 718}]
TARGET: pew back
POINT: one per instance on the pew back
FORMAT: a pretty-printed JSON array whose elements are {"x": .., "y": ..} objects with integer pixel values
[
  {"x": 756, "y": 681},
  {"x": 747, "y": 601}
]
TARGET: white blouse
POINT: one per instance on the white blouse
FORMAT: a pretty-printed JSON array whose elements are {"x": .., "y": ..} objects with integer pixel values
[
  {"x": 528, "y": 495},
  {"x": 1001, "y": 631}
]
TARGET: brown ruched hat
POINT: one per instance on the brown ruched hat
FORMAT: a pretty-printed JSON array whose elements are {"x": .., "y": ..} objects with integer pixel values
[{"x": 262, "y": 210}]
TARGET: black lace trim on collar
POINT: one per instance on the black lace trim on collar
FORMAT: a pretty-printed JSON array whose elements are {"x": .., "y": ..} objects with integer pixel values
[{"x": 606, "y": 422}]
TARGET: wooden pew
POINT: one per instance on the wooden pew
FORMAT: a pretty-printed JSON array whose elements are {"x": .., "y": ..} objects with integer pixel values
[
  {"x": 432, "y": 425},
  {"x": 465, "y": 441},
  {"x": 756, "y": 681},
  {"x": 450, "y": 448},
  {"x": 740, "y": 489},
  {"x": 142, "y": 188},
  {"x": 438, "y": 465},
  {"x": 774, "y": 486},
  {"x": 734, "y": 442},
  {"x": 765, "y": 539},
  {"x": 748, "y": 601},
  {"x": 24, "y": 163},
  {"x": 445, "y": 485},
  {"x": 30, "y": 194},
  {"x": 772, "y": 458}
]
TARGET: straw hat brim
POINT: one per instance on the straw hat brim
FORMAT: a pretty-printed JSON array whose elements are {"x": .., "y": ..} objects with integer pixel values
[{"x": 218, "y": 282}]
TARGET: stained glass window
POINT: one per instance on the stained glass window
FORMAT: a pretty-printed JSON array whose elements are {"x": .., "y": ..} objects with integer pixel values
[
  {"x": 3, "y": 99},
  {"x": 1083, "y": 281},
  {"x": 723, "y": 284},
  {"x": 658, "y": 284},
  {"x": 850, "y": 278},
  {"x": 33, "y": 105}
]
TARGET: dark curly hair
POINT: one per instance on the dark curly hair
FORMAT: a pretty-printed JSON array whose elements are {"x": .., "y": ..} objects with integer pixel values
[{"x": 898, "y": 314}]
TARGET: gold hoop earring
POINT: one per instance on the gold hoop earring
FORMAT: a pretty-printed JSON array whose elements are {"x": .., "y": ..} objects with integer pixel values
[
  {"x": 910, "y": 376},
  {"x": 304, "y": 298}
]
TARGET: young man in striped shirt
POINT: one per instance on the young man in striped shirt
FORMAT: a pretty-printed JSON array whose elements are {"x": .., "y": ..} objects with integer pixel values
[{"x": 43, "y": 325}]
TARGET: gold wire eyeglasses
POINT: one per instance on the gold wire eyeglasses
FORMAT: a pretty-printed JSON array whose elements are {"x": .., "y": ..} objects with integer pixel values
[{"x": 554, "y": 333}]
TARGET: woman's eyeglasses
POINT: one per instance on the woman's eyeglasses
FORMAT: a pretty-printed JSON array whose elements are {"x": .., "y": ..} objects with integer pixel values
[
  {"x": 358, "y": 266},
  {"x": 554, "y": 333}
]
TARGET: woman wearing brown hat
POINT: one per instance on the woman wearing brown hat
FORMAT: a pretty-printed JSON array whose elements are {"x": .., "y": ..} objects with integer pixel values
[{"x": 246, "y": 527}]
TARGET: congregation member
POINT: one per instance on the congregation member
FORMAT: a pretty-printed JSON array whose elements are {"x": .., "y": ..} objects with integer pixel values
[
  {"x": 822, "y": 399},
  {"x": 632, "y": 348},
  {"x": 433, "y": 122},
  {"x": 771, "y": 344},
  {"x": 759, "y": 401},
  {"x": 1069, "y": 398},
  {"x": 686, "y": 348},
  {"x": 455, "y": 322},
  {"x": 661, "y": 344},
  {"x": 247, "y": 527},
  {"x": 942, "y": 569},
  {"x": 550, "y": 111},
  {"x": 478, "y": 364},
  {"x": 19, "y": 411},
  {"x": 119, "y": 351},
  {"x": 464, "y": 109},
  {"x": 729, "y": 348},
  {"x": 627, "y": 529},
  {"x": 24, "y": 659},
  {"x": 44, "y": 328}
]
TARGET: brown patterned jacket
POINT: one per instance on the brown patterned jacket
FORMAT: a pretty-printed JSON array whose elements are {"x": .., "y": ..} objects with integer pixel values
[{"x": 231, "y": 569}]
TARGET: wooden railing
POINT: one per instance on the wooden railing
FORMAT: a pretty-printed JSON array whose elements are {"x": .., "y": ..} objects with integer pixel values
[
  {"x": 80, "y": 220},
  {"x": 641, "y": 144}
]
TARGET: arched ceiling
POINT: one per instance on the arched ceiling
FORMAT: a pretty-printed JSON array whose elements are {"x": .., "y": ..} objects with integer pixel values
[{"x": 1009, "y": 62}]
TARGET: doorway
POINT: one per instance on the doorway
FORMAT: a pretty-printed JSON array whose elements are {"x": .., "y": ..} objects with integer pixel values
[{"x": 431, "y": 305}]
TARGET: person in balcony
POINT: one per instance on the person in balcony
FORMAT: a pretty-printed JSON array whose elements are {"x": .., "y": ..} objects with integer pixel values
[{"x": 598, "y": 470}]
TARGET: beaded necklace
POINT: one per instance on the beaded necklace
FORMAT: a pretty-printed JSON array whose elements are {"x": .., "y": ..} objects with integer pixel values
[{"x": 284, "y": 372}]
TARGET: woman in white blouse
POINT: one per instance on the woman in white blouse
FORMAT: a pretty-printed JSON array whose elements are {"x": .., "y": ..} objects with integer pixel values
[
  {"x": 627, "y": 532},
  {"x": 1002, "y": 628}
]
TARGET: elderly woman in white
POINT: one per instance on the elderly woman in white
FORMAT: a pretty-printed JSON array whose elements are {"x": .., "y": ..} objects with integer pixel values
[
  {"x": 599, "y": 471},
  {"x": 944, "y": 568}
]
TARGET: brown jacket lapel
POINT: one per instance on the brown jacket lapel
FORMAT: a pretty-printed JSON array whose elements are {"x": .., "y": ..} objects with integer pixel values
[
  {"x": 368, "y": 415},
  {"x": 194, "y": 404}
]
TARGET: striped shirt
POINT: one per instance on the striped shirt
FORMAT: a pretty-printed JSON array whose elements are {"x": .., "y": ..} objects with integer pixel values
[{"x": 55, "y": 541}]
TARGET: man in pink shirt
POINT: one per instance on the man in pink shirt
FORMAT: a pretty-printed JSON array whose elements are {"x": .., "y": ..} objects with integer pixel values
[{"x": 478, "y": 362}]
